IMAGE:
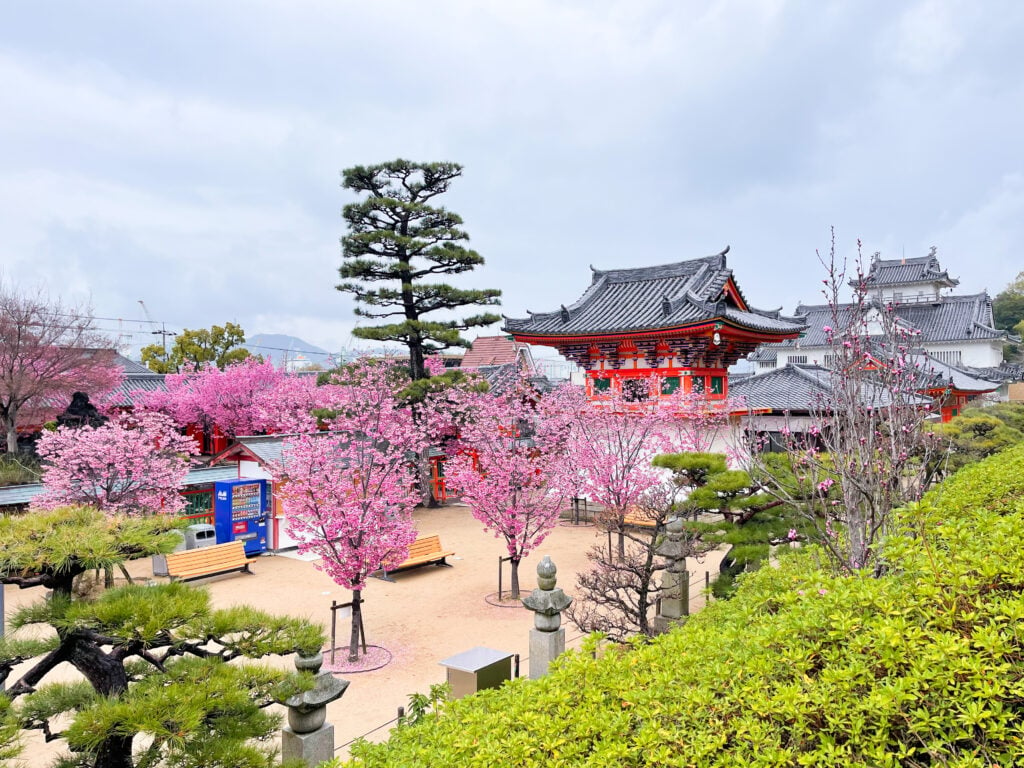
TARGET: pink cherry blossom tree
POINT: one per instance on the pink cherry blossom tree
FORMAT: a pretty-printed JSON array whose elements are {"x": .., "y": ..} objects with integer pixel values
[
  {"x": 245, "y": 398},
  {"x": 348, "y": 494},
  {"x": 511, "y": 467},
  {"x": 48, "y": 351},
  {"x": 870, "y": 447},
  {"x": 133, "y": 466},
  {"x": 613, "y": 441},
  {"x": 611, "y": 446}
]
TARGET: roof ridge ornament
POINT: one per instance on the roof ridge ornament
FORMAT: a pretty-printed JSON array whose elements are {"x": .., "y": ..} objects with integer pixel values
[
  {"x": 565, "y": 314},
  {"x": 666, "y": 306}
]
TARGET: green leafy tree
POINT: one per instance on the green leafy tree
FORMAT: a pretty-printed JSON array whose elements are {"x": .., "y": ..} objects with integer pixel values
[
  {"x": 1008, "y": 305},
  {"x": 397, "y": 237},
  {"x": 220, "y": 345},
  {"x": 156, "y": 687},
  {"x": 10, "y": 732},
  {"x": 1011, "y": 414},
  {"x": 974, "y": 435}
]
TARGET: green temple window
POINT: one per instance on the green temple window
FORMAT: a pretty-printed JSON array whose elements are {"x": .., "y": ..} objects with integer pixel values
[
  {"x": 602, "y": 385},
  {"x": 697, "y": 384},
  {"x": 717, "y": 385},
  {"x": 669, "y": 384}
]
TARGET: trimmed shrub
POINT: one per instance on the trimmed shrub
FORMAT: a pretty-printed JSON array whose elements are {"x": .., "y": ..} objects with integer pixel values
[{"x": 801, "y": 668}]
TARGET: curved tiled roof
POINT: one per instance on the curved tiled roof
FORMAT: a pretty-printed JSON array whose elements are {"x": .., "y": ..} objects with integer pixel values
[
  {"x": 942, "y": 374},
  {"x": 135, "y": 384},
  {"x": 950, "y": 318},
  {"x": 649, "y": 298},
  {"x": 896, "y": 272},
  {"x": 800, "y": 389}
]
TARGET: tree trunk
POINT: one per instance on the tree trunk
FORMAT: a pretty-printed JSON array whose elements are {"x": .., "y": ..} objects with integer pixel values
[
  {"x": 417, "y": 369},
  {"x": 643, "y": 601},
  {"x": 115, "y": 752},
  {"x": 124, "y": 572},
  {"x": 108, "y": 677},
  {"x": 423, "y": 467},
  {"x": 515, "y": 578},
  {"x": 357, "y": 625},
  {"x": 12, "y": 436}
]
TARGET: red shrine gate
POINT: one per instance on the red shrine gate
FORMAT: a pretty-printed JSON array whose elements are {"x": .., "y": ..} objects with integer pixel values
[{"x": 651, "y": 331}]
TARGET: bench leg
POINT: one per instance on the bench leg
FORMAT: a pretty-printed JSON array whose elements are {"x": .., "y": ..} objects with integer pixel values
[
  {"x": 444, "y": 563},
  {"x": 382, "y": 575}
]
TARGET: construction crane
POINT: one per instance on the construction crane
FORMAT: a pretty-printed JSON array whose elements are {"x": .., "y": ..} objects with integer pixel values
[{"x": 163, "y": 332}]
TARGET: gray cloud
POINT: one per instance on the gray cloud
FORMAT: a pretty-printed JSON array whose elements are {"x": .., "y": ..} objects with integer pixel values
[{"x": 188, "y": 154}]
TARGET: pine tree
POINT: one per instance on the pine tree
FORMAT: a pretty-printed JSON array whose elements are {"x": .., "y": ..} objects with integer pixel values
[
  {"x": 163, "y": 680},
  {"x": 397, "y": 236}
]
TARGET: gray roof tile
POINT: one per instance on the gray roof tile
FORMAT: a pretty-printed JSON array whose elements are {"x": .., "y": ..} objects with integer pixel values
[
  {"x": 951, "y": 318},
  {"x": 647, "y": 298},
  {"x": 130, "y": 366},
  {"x": 267, "y": 448},
  {"x": 799, "y": 389},
  {"x": 134, "y": 385},
  {"x": 16, "y": 495},
  {"x": 897, "y": 272}
]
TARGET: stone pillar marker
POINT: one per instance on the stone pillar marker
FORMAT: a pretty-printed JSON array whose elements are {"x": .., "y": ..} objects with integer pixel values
[
  {"x": 307, "y": 737},
  {"x": 675, "y": 584},
  {"x": 547, "y": 638}
]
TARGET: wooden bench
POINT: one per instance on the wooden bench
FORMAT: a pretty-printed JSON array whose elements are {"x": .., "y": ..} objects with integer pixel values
[
  {"x": 421, "y": 552},
  {"x": 207, "y": 561},
  {"x": 638, "y": 519}
]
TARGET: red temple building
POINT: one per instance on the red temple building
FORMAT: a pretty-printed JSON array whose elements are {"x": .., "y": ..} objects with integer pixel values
[{"x": 648, "y": 332}]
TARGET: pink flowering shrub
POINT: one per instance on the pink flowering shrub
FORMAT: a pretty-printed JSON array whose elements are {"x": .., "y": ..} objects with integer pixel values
[{"x": 134, "y": 465}]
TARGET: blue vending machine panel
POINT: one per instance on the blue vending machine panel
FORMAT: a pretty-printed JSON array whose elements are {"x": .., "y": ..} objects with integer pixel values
[{"x": 240, "y": 513}]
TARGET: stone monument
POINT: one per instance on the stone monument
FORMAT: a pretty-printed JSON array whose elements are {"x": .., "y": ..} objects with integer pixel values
[
  {"x": 308, "y": 737},
  {"x": 675, "y": 583},
  {"x": 547, "y": 638}
]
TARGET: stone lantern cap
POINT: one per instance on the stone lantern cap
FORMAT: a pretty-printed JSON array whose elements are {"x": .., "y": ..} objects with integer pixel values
[{"x": 547, "y": 599}]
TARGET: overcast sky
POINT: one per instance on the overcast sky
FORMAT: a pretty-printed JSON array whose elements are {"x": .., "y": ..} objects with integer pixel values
[{"x": 188, "y": 153}]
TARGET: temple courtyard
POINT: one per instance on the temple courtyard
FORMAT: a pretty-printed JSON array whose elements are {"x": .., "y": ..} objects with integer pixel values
[{"x": 425, "y": 615}]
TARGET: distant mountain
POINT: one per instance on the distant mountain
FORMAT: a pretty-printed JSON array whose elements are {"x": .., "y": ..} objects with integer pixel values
[{"x": 289, "y": 351}]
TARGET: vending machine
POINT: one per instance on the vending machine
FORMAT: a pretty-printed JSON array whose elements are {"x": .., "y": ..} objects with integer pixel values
[{"x": 240, "y": 513}]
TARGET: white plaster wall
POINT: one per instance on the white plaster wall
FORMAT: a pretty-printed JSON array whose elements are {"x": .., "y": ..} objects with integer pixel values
[
  {"x": 915, "y": 293},
  {"x": 252, "y": 469},
  {"x": 980, "y": 354}
]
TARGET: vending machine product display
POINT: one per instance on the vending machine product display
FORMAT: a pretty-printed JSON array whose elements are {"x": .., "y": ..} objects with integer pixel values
[{"x": 240, "y": 513}]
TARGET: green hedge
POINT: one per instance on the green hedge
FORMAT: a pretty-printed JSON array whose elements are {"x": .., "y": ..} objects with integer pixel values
[
  {"x": 996, "y": 483},
  {"x": 920, "y": 667}
]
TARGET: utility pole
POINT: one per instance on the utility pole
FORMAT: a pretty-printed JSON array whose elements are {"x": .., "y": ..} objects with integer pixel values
[{"x": 163, "y": 327}]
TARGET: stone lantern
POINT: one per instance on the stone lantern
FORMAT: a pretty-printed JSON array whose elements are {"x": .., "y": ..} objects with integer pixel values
[
  {"x": 308, "y": 736},
  {"x": 547, "y": 638}
]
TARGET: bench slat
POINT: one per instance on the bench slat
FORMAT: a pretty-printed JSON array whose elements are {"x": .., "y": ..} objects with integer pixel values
[
  {"x": 422, "y": 551},
  {"x": 208, "y": 561}
]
